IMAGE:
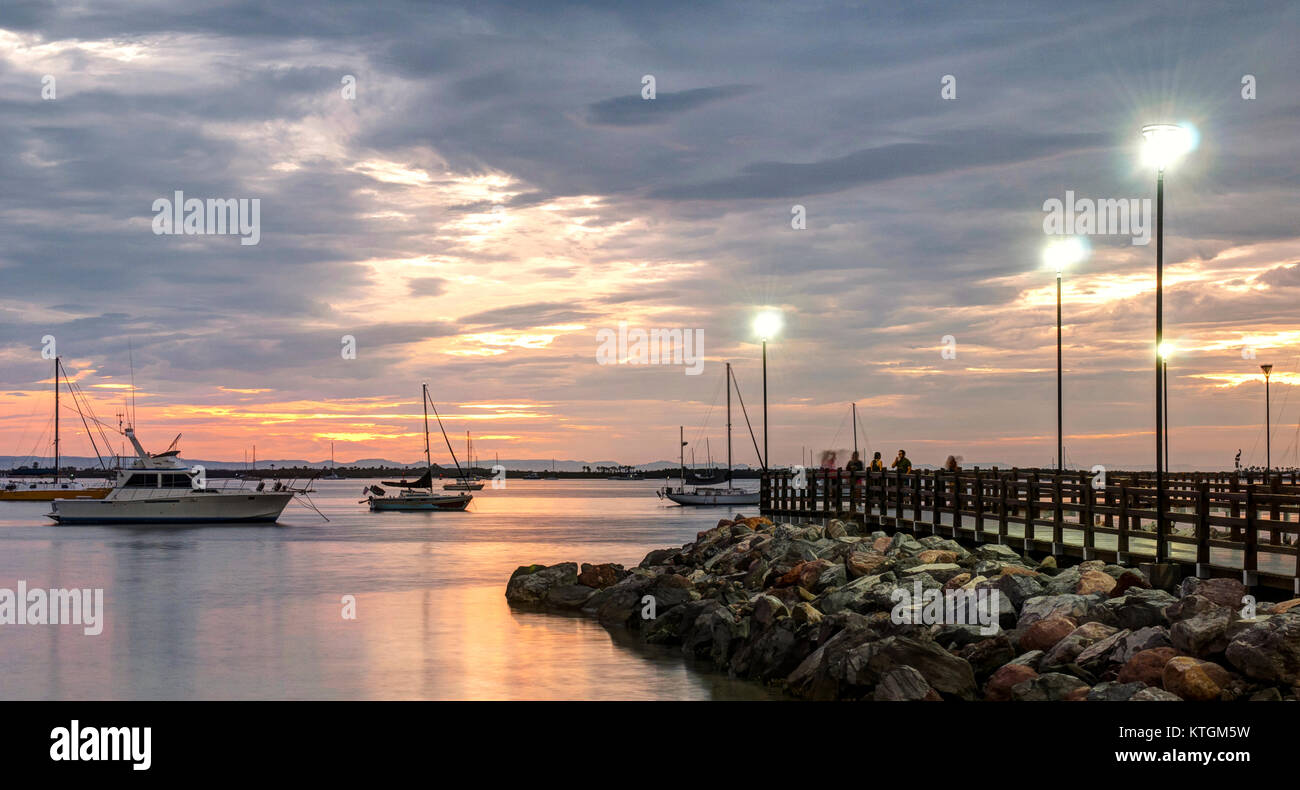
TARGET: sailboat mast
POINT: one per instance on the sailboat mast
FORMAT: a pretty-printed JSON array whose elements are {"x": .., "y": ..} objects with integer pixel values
[
  {"x": 56, "y": 419},
  {"x": 728, "y": 423},
  {"x": 424, "y": 401},
  {"x": 681, "y": 452}
]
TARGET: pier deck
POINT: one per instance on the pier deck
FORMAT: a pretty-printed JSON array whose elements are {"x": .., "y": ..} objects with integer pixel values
[{"x": 1246, "y": 527}]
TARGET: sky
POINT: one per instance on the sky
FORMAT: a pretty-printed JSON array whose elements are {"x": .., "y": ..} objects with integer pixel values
[{"x": 499, "y": 189}]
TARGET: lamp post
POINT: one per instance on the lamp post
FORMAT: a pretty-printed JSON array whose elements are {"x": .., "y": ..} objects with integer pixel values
[
  {"x": 1060, "y": 254},
  {"x": 1166, "y": 351},
  {"x": 1164, "y": 143},
  {"x": 766, "y": 325},
  {"x": 1268, "y": 430}
]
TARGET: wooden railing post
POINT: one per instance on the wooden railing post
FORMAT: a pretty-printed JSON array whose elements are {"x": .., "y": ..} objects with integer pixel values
[
  {"x": 1202, "y": 530},
  {"x": 1002, "y": 509},
  {"x": 1250, "y": 552},
  {"x": 1121, "y": 539},
  {"x": 979, "y": 507},
  {"x": 1058, "y": 520}
]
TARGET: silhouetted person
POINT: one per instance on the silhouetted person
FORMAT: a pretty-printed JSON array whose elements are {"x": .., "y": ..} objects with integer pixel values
[
  {"x": 854, "y": 464},
  {"x": 877, "y": 465},
  {"x": 902, "y": 463}
]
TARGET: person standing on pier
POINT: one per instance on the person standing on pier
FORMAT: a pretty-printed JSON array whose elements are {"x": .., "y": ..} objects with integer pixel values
[
  {"x": 854, "y": 464},
  {"x": 902, "y": 463},
  {"x": 877, "y": 465},
  {"x": 951, "y": 464}
]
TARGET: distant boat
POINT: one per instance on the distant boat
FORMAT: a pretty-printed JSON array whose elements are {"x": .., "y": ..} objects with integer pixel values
[
  {"x": 699, "y": 495},
  {"x": 50, "y": 490},
  {"x": 531, "y": 476},
  {"x": 418, "y": 494},
  {"x": 469, "y": 481},
  {"x": 333, "y": 475},
  {"x": 551, "y": 475}
]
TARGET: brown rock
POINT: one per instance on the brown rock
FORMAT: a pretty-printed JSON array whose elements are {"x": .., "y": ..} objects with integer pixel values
[
  {"x": 936, "y": 555},
  {"x": 1045, "y": 633},
  {"x": 1286, "y": 606},
  {"x": 882, "y": 544},
  {"x": 1078, "y": 695},
  {"x": 1193, "y": 679},
  {"x": 957, "y": 581},
  {"x": 1092, "y": 582},
  {"x": 863, "y": 563},
  {"x": 1147, "y": 666},
  {"x": 1017, "y": 570},
  {"x": 1129, "y": 579},
  {"x": 998, "y": 689},
  {"x": 599, "y": 576}
]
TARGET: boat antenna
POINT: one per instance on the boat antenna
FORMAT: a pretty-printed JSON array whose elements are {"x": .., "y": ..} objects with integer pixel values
[
  {"x": 130, "y": 356},
  {"x": 441, "y": 427}
]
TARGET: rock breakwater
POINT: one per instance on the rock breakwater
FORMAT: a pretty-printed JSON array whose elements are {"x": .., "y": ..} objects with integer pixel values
[{"x": 815, "y": 610}]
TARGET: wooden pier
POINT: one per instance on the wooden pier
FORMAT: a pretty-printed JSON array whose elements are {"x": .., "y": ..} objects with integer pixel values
[{"x": 1211, "y": 524}]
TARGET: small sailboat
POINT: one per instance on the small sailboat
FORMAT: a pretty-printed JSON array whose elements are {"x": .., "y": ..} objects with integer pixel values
[
  {"x": 26, "y": 490},
  {"x": 418, "y": 494},
  {"x": 701, "y": 495},
  {"x": 468, "y": 481},
  {"x": 333, "y": 475}
]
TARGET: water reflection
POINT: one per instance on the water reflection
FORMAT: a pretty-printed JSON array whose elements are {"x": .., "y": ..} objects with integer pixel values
[{"x": 256, "y": 612}]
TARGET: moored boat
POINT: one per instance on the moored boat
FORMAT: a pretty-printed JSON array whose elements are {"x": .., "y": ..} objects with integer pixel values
[
  {"x": 418, "y": 494},
  {"x": 158, "y": 489}
]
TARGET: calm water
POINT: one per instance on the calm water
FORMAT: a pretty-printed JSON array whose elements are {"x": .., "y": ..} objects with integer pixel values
[{"x": 255, "y": 612}]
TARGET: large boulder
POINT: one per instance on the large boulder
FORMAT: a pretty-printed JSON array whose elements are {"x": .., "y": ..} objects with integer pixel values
[
  {"x": 601, "y": 576},
  {"x": 1224, "y": 592},
  {"x": 904, "y": 684},
  {"x": 1053, "y": 686},
  {"x": 1114, "y": 692},
  {"x": 1148, "y": 666},
  {"x": 529, "y": 584},
  {"x": 1200, "y": 626},
  {"x": 1193, "y": 679},
  {"x": 1041, "y": 607},
  {"x": 1140, "y": 608},
  {"x": 1044, "y": 634},
  {"x": 1067, "y": 650},
  {"x": 1000, "y": 683},
  {"x": 1269, "y": 650}
]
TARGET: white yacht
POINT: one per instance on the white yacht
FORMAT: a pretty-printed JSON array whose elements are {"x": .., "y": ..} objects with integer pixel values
[{"x": 158, "y": 489}]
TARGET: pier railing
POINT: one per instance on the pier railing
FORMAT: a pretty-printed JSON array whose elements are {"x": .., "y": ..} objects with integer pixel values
[{"x": 1245, "y": 526}]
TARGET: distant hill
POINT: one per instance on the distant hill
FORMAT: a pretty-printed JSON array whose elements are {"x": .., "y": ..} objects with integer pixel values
[{"x": 10, "y": 462}]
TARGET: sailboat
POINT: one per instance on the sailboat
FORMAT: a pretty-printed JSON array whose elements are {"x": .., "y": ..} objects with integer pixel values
[
  {"x": 418, "y": 494},
  {"x": 701, "y": 495},
  {"x": 468, "y": 481},
  {"x": 551, "y": 475},
  {"x": 48, "y": 491},
  {"x": 333, "y": 475}
]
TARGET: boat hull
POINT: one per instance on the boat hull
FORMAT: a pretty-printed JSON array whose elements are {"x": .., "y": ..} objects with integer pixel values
[
  {"x": 418, "y": 502},
  {"x": 51, "y": 494},
  {"x": 181, "y": 509},
  {"x": 713, "y": 498}
]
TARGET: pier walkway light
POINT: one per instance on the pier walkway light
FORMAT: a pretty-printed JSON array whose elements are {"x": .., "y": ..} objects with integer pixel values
[
  {"x": 766, "y": 325},
  {"x": 1059, "y": 254}
]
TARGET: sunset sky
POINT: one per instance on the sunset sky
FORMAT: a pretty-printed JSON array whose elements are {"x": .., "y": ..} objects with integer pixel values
[{"x": 499, "y": 191}]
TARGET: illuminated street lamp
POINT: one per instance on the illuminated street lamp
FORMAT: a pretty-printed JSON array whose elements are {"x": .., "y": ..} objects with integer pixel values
[
  {"x": 1268, "y": 430},
  {"x": 1164, "y": 144},
  {"x": 1059, "y": 254},
  {"x": 766, "y": 325}
]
